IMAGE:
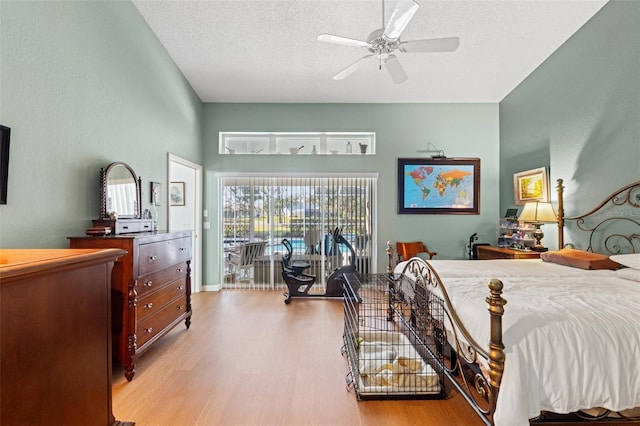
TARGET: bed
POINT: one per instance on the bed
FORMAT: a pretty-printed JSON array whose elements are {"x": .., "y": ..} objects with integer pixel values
[{"x": 564, "y": 342}]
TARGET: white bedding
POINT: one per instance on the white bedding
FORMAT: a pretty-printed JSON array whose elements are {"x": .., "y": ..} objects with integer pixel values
[{"x": 572, "y": 337}]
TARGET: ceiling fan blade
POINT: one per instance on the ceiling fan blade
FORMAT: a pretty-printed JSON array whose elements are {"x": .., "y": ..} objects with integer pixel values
[
  {"x": 402, "y": 14},
  {"x": 352, "y": 68},
  {"x": 395, "y": 69},
  {"x": 448, "y": 44},
  {"x": 330, "y": 38}
]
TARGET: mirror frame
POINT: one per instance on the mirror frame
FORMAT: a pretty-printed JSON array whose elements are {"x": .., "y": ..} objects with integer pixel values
[{"x": 104, "y": 177}]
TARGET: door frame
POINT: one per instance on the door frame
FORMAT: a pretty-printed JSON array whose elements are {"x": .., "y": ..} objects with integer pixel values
[{"x": 196, "y": 266}]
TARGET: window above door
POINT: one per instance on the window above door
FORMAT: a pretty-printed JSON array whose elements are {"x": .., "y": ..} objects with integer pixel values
[{"x": 303, "y": 143}]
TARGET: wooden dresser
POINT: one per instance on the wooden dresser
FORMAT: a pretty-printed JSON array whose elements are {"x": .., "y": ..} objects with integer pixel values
[
  {"x": 151, "y": 289},
  {"x": 55, "y": 360},
  {"x": 492, "y": 252}
]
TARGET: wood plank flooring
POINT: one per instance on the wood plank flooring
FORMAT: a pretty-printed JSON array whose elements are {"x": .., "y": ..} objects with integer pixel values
[{"x": 249, "y": 359}]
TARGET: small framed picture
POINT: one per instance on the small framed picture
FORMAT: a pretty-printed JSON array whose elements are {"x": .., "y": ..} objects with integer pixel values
[
  {"x": 531, "y": 185},
  {"x": 176, "y": 194},
  {"x": 155, "y": 193}
]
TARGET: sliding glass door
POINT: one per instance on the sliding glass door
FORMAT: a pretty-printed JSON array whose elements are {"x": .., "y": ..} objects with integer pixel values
[{"x": 305, "y": 210}]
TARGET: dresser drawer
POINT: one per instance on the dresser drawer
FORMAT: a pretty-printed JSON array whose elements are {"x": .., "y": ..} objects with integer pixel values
[
  {"x": 154, "y": 324},
  {"x": 155, "y": 301},
  {"x": 162, "y": 254},
  {"x": 156, "y": 280}
]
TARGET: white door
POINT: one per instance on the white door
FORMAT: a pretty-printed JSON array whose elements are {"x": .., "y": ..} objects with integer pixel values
[{"x": 185, "y": 214}]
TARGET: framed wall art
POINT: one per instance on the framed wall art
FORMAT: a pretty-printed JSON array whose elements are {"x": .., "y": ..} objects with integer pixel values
[
  {"x": 5, "y": 136},
  {"x": 439, "y": 186},
  {"x": 155, "y": 193},
  {"x": 531, "y": 185},
  {"x": 176, "y": 194}
]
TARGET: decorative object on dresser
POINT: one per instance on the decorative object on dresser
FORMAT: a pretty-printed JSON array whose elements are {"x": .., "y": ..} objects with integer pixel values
[
  {"x": 513, "y": 233},
  {"x": 55, "y": 359},
  {"x": 538, "y": 213},
  {"x": 151, "y": 289},
  {"x": 120, "y": 201}
]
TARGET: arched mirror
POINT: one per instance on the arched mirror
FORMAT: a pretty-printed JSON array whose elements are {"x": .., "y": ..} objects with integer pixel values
[
  {"x": 120, "y": 202},
  {"x": 121, "y": 192}
]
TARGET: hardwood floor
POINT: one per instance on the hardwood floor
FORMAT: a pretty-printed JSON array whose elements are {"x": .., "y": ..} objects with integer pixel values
[{"x": 249, "y": 359}]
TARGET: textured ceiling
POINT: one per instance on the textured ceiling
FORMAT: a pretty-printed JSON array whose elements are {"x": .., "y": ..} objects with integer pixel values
[{"x": 267, "y": 51}]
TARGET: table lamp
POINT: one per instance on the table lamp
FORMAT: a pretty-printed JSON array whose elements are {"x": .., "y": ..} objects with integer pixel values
[{"x": 538, "y": 213}]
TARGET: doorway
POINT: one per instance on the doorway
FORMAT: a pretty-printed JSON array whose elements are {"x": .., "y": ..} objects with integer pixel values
[
  {"x": 262, "y": 211},
  {"x": 186, "y": 214}
]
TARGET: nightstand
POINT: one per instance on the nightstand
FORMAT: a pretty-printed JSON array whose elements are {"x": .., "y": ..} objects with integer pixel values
[{"x": 492, "y": 252}]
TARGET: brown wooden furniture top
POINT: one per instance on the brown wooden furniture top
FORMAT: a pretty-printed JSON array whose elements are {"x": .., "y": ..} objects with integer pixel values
[
  {"x": 20, "y": 262},
  {"x": 492, "y": 252}
]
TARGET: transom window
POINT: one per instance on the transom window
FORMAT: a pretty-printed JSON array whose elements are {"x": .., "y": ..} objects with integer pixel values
[{"x": 306, "y": 143}]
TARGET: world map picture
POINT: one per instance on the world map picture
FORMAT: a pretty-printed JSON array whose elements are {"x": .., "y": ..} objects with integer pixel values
[{"x": 438, "y": 186}]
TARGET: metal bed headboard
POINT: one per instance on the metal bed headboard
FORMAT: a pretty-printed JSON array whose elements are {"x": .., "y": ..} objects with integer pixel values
[{"x": 613, "y": 226}]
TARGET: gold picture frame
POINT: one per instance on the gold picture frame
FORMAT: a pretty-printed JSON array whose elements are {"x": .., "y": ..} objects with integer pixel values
[{"x": 531, "y": 185}]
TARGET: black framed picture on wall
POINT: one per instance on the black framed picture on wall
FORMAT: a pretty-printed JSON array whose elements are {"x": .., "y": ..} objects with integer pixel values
[
  {"x": 5, "y": 136},
  {"x": 439, "y": 186}
]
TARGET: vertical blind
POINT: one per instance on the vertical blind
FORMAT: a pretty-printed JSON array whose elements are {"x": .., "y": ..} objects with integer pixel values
[{"x": 303, "y": 209}]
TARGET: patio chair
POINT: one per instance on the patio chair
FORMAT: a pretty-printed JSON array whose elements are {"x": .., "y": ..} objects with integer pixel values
[
  {"x": 312, "y": 239},
  {"x": 241, "y": 262}
]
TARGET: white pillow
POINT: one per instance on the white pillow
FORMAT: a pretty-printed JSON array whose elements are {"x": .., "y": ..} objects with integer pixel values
[
  {"x": 629, "y": 260},
  {"x": 628, "y": 274}
]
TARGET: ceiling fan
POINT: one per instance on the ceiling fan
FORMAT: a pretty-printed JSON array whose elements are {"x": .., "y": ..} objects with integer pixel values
[{"x": 384, "y": 42}]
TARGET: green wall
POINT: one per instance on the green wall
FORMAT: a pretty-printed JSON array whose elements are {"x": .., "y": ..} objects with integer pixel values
[
  {"x": 87, "y": 83},
  {"x": 578, "y": 114},
  {"x": 84, "y": 84},
  {"x": 461, "y": 130}
]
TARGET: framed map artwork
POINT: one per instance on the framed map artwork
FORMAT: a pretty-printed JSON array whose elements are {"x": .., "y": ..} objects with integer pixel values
[{"x": 438, "y": 185}]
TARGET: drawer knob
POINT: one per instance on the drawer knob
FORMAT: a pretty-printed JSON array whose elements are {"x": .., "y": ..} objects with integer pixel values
[
  {"x": 148, "y": 330},
  {"x": 149, "y": 305},
  {"x": 181, "y": 307},
  {"x": 180, "y": 270},
  {"x": 148, "y": 284},
  {"x": 152, "y": 258},
  {"x": 183, "y": 249},
  {"x": 180, "y": 287}
]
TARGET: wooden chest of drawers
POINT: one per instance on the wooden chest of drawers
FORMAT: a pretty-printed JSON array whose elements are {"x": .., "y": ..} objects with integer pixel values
[
  {"x": 150, "y": 289},
  {"x": 55, "y": 349}
]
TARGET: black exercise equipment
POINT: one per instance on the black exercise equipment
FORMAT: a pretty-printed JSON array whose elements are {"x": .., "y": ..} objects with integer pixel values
[{"x": 299, "y": 283}]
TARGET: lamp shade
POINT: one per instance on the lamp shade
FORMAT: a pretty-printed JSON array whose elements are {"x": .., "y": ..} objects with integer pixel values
[{"x": 538, "y": 212}]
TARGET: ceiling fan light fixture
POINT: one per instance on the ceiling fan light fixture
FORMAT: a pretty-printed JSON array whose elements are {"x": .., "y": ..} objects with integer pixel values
[{"x": 382, "y": 42}]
